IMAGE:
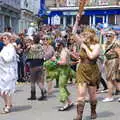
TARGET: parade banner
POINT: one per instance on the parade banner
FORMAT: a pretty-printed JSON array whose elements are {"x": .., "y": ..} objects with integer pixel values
[
  {"x": 42, "y": 10},
  {"x": 42, "y": 4}
]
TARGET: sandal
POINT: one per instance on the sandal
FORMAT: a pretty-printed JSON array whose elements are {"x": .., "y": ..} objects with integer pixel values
[
  {"x": 6, "y": 110},
  {"x": 66, "y": 107}
]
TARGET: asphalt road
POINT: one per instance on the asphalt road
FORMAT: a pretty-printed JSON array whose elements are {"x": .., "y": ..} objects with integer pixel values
[{"x": 48, "y": 110}]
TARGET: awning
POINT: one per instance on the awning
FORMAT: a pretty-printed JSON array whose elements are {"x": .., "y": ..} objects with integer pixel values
[
  {"x": 103, "y": 12},
  {"x": 86, "y": 12}
]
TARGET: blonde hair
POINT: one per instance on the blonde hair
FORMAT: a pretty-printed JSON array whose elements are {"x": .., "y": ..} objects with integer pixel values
[
  {"x": 87, "y": 29},
  {"x": 90, "y": 35}
]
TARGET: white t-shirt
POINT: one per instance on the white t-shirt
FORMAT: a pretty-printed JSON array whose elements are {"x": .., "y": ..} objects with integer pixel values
[{"x": 31, "y": 31}]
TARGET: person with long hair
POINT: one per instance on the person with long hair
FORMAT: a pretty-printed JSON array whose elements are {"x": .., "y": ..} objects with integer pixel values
[
  {"x": 87, "y": 76},
  {"x": 8, "y": 71}
]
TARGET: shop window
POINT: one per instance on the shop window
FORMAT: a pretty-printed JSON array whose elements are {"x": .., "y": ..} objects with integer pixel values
[
  {"x": 99, "y": 19},
  {"x": 85, "y": 20},
  {"x": 68, "y": 20},
  {"x": 111, "y": 19},
  {"x": 1, "y": 23},
  {"x": 61, "y": 20},
  {"x": 7, "y": 21}
]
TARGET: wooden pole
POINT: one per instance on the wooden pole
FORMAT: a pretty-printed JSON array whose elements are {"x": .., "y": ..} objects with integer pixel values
[{"x": 82, "y": 5}]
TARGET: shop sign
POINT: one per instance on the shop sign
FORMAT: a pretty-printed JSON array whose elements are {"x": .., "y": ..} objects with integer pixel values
[{"x": 70, "y": 13}]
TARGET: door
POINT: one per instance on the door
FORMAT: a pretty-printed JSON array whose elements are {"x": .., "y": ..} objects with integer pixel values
[{"x": 99, "y": 19}]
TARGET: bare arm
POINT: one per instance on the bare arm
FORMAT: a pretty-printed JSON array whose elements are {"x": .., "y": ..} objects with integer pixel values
[
  {"x": 74, "y": 55},
  {"x": 75, "y": 27},
  {"x": 62, "y": 60},
  {"x": 118, "y": 52},
  {"x": 94, "y": 53}
]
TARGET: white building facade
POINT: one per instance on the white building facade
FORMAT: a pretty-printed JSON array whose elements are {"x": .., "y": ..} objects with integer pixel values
[
  {"x": 9, "y": 14},
  {"x": 29, "y": 12}
]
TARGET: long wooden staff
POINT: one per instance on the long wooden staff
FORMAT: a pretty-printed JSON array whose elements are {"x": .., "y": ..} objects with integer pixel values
[{"x": 82, "y": 5}]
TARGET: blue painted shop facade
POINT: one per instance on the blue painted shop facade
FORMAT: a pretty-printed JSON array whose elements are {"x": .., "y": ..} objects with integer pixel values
[{"x": 90, "y": 16}]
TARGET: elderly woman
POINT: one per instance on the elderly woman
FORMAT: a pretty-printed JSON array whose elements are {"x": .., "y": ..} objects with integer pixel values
[
  {"x": 8, "y": 71},
  {"x": 112, "y": 64},
  {"x": 88, "y": 74}
]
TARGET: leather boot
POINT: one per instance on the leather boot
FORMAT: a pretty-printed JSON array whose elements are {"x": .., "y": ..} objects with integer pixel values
[
  {"x": 43, "y": 95},
  {"x": 33, "y": 95},
  {"x": 117, "y": 92},
  {"x": 93, "y": 109},
  {"x": 80, "y": 108}
]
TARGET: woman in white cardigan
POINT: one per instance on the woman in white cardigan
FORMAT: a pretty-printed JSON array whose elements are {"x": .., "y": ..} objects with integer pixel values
[{"x": 8, "y": 71}]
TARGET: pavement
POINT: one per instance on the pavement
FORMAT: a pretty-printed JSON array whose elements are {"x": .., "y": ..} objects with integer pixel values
[{"x": 48, "y": 110}]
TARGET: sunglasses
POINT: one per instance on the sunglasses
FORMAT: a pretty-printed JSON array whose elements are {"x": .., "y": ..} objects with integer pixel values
[{"x": 108, "y": 36}]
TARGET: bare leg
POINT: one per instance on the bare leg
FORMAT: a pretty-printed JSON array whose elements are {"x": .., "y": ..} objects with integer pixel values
[
  {"x": 110, "y": 88},
  {"x": 5, "y": 99},
  {"x": 93, "y": 101},
  {"x": 8, "y": 103},
  {"x": 41, "y": 78},
  {"x": 40, "y": 83},
  {"x": 82, "y": 89},
  {"x": 9, "y": 100},
  {"x": 49, "y": 87},
  {"x": 92, "y": 93},
  {"x": 69, "y": 101}
]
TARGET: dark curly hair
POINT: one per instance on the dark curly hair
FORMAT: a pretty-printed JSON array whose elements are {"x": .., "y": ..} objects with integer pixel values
[{"x": 36, "y": 39}]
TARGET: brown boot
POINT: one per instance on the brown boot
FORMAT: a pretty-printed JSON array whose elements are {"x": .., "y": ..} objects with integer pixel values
[
  {"x": 93, "y": 109},
  {"x": 80, "y": 108}
]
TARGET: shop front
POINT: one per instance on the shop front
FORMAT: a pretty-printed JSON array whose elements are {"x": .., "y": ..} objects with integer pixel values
[{"x": 90, "y": 17}]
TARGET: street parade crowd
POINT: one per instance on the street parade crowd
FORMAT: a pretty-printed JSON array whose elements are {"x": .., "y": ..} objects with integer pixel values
[{"x": 73, "y": 55}]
